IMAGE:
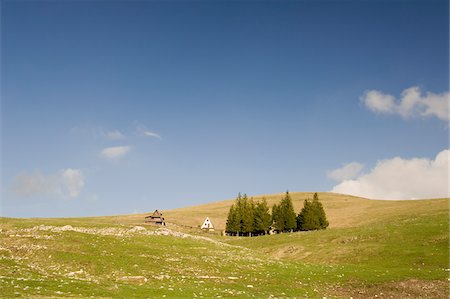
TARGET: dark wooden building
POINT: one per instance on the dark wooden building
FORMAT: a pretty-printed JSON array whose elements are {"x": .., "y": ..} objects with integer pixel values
[{"x": 156, "y": 218}]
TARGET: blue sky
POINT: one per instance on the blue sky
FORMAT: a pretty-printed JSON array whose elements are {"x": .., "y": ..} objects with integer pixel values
[{"x": 112, "y": 107}]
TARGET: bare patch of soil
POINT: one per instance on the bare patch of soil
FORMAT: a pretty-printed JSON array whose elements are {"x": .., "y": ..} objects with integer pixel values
[{"x": 411, "y": 288}]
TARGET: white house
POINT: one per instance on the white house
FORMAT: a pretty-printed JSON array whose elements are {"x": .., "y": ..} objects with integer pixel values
[{"x": 207, "y": 225}]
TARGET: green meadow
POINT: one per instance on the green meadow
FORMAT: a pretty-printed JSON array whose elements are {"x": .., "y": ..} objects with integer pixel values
[{"x": 384, "y": 249}]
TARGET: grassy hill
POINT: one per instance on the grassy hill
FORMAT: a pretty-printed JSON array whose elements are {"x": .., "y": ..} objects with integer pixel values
[
  {"x": 372, "y": 248},
  {"x": 342, "y": 210}
]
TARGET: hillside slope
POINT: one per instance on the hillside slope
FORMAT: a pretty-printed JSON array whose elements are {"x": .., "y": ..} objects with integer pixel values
[
  {"x": 373, "y": 248},
  {"x": 342, "y": 210}
]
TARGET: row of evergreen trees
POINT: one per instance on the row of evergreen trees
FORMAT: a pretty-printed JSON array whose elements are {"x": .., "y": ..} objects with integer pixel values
[{"x": 247, "y": 217}]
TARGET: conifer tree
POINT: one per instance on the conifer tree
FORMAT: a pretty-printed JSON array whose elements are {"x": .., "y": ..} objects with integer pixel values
[
  {"x": 262, "y": 218},
  {"x": 288, "y": 212},
  {"x": 277, "y": 218},
  {"x": 320, "y": 212},
  {"x": 240, "y": 211},
  {"x": 306, "y": 219},
  {"x": 247, "y": 215},
  {"x": 234, "y": 219},
  {"x": 232, "y": 225},
  {"x": 312, "y": 216}
]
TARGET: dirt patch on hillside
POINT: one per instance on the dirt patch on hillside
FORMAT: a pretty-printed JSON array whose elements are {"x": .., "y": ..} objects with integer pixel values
[
  {"x": 411, "y": 288},
  {"x": 288, "y": 252}
]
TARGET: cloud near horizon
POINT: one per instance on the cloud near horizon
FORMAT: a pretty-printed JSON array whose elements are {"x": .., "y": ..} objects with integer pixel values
[
  {"x": 67, "y": 183},
  {"x": 399, "y": 178},
  {"x": 346, "y": 172},
  {"x": 412, "y": 104},
  {"x": 115, "y": 152}
]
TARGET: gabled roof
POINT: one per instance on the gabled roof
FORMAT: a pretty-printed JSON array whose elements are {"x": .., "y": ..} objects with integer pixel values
[
  {"x": 207, "y": 223},
  {"x": 156, "y": 214}
]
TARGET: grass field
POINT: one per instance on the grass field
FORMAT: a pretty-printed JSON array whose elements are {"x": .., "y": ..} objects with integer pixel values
[{"x": 384, "y": 249}]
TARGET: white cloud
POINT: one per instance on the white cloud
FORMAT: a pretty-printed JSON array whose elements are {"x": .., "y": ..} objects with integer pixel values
[
  {"x": 114, "y": 152},
  {"x": 410, "y": 105},
  {"x": 151, "y": 134},
  {"x": 346, "y": 172},
  {"x": 66, "y": 183},
  {"x": 143, "y": 131},
  {"x": 115, "y": 135},
  {"x": 72, "y": 181},
  {"x": 400, "y": 178},
  {"x": 379, "y": 102}
]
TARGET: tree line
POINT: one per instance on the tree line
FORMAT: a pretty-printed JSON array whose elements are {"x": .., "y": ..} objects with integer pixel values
[{"x": 249, "y": 218}]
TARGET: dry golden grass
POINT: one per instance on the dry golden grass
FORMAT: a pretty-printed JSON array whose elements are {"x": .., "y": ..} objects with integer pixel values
[{"x": 342, "y": 210}]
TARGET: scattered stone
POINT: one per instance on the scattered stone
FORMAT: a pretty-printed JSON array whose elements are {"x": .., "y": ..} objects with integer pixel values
[
  {"x": 161, "y": 277},
  {"x": 207, "y": 276},
  {"x": 71, "y": 274},
  {"x": 121, "y": 232},
  {"x": 137, "y": 229},
  {"x": 135, "y": 279}
]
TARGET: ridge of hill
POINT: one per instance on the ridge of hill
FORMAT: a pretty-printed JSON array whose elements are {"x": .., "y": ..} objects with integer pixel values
[{"x": 342, "y": 210}]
